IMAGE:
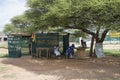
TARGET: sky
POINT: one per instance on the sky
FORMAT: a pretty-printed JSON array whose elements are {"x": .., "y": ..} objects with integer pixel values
[{"x": 9, "y": 9}]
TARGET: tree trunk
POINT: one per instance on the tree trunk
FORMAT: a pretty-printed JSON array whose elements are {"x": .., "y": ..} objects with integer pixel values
[
  {"x": 104, "y": 35},
  {"x": 99, "y": 50},
  {"x": 91, "y": 47},
  {"x": 95, "y": 36},
  {"x": 99, "y": 44}
]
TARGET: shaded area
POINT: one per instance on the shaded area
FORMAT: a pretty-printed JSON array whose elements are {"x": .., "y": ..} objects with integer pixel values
[{"x": 68, "y": 69}]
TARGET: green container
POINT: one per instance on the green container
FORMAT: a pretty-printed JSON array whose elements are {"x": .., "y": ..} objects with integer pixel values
[
  {"x": 14, "y": 46},
  {"x": 18, "y": 45},
  {"x": 14, "y": 54},
  {"x": 44, "y": 40},
  {"x": 64, "y": 42},
  {"x": 25, "y": 45}
]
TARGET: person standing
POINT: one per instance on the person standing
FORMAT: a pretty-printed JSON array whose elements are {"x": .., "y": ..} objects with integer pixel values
[{"x": 82, "y": 42}]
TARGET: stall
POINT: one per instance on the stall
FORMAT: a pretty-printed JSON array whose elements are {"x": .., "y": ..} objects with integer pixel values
[
  {"x": 43, "y": 44},
  {"x": 81, "y": 52},
  {"x": 18, "y": 45}
]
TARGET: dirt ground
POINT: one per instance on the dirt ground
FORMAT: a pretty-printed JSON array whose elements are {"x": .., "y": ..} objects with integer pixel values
[{"x": 28, "y": 68}]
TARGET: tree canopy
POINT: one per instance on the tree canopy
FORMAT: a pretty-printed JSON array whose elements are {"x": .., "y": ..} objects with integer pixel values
[
  {"x": 9, "y": 28},
  {"x": 19, "y": 23},
  {"x": 95, "y": 17}
]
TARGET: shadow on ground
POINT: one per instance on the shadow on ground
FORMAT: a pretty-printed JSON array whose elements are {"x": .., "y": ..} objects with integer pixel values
[{"x": 70, "y": 69}]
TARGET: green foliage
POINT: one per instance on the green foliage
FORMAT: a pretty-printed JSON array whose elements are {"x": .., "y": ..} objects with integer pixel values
[
  {"x": 80, "y": 34},
  {"x": 36, "y": 13},
  {"x": 20, "y": 21},
  {"x": 115, "y": 53},
  {"x": 10, "y": 28},
  {"x": 83, "y": 13},
  {"x": 3, "y": 55},
  {"x": 91, "y": 15},
  {"x": 23, "y": 23},
  {"x": 87, "y": 12}
]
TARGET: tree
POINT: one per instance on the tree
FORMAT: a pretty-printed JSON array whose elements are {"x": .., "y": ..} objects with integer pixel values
[
  {"x": 94, "y": 17},
  {"x": 10, "y": 28},
  {"x": 19, "y": 24},
  {"x": 23, "y": 23},
  {"x": 36, "y": 13}
]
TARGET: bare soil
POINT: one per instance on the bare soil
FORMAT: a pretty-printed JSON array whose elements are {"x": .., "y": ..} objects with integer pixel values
[
  {"x": 28, "y": 68},
  {"x": 3, "y": 51},
  {"x": 112, "y": 46}
]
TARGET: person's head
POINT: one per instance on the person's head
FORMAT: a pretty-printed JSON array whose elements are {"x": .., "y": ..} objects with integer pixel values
[
  {"x": 56, "y": 45},
  {"x": 73, "y": 45}
]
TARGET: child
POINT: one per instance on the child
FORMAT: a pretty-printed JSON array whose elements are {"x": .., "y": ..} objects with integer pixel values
[
  {"x": 56, "y": 50},
  {"x": 70, "y": 51}
]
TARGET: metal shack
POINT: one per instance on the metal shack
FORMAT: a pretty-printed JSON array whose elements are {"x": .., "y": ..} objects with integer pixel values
[
  {"x": 18, "y": 45},
  {"x": 43, "y": 44},
  {"x": 36, "y": 45}
]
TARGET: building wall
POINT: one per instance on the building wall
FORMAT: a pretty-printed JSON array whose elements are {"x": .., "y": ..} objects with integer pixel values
[{"x": 3, "y": 37}]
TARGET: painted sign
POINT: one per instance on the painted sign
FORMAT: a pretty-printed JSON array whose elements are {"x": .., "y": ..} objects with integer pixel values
[
  {"x": 47, "y": 40},
  {"x": 115, "y": 34}
]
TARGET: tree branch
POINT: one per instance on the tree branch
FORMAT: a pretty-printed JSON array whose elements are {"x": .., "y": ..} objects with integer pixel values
[
  {"x": 87, "y": 31},
  {"x": 104, "y": 35},
  {"x": 82, "y": 29},
  {"x": 97, "y": 35}
]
